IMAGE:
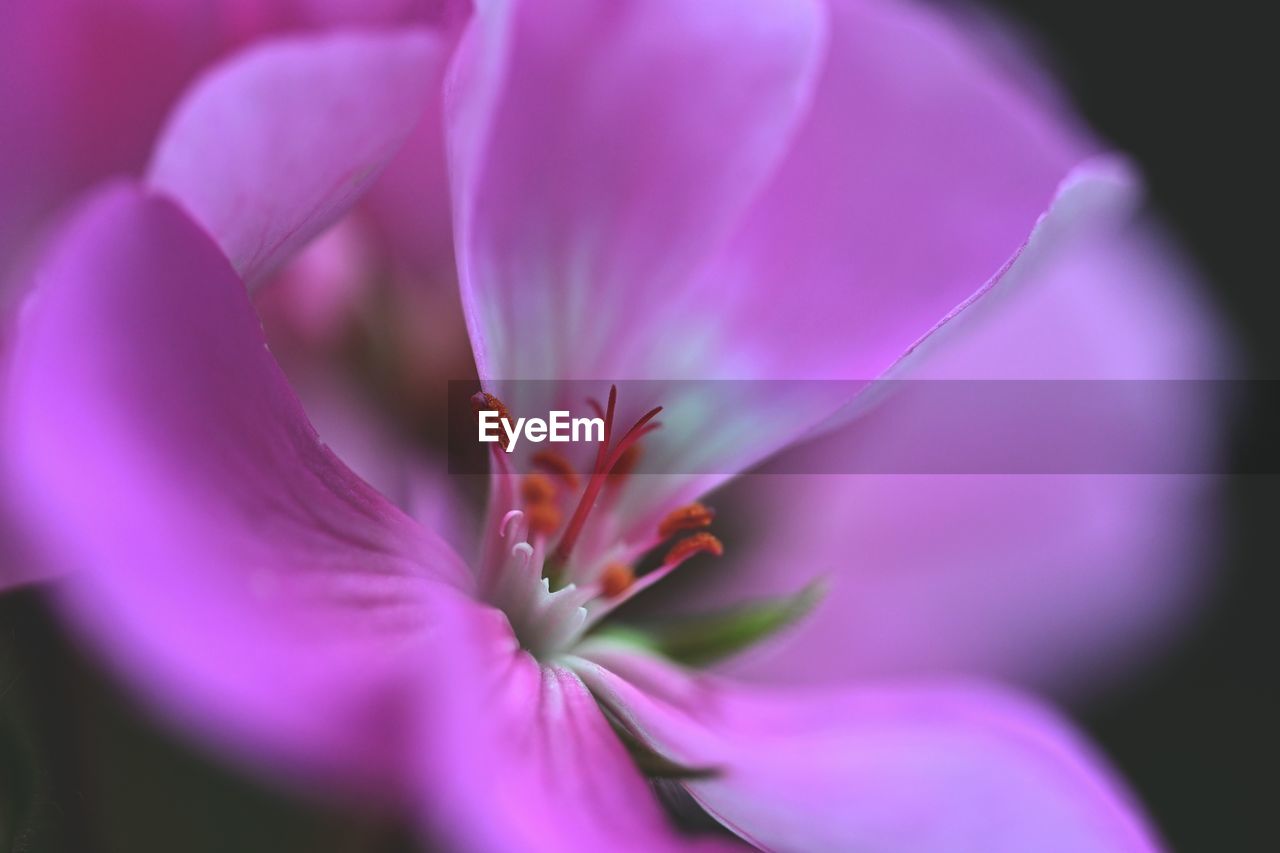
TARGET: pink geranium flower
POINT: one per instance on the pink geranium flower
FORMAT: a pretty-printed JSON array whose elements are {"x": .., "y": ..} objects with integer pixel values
[
  {"x": 639, "y": 190},
  {"x": 85, "y": 86}
]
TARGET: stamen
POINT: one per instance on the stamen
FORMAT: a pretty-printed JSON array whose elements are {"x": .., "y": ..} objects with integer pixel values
[
  {"x": 691, "y": 517},
  {"x": 556, "y": 465},
  {"x": 508, "y": 522},
  {"x": 698, "y": 543},
  {"x": 617, "y": 578},
  {"x": 604, "y": 464},
  {"x": 482, "y": 401},
  {"x": 525, "y": 552},
  {"x": 625, "y": 465},
  {"x": 603, "y": 450},
  {"x": 537, "y": 489},
  {"x": 544, "y": 519}
]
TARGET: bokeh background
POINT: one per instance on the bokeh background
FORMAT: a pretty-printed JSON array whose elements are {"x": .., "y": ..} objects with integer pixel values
[
  {"x": 1183, "y": 87},
  {"x": 1188, "y": 90}
]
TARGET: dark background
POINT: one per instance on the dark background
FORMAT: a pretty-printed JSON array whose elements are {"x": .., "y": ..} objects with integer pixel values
[
  {"x": 1185, "y": 91},
  {"x": 1190, "y": 91}
]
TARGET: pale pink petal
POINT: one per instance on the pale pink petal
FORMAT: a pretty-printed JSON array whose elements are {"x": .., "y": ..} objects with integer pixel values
[
  {"x": 913, "y": 169},
  {"x": 599, "y": 153},
  {"x": 1058, "y": 581},
  {"x": 918, "y": 172},
  {"x": 274, "y": 145},
  {"x": 230, "y": 565},
  {"x": 927, "y": 767},
  {"x": 520, "y": 757}
]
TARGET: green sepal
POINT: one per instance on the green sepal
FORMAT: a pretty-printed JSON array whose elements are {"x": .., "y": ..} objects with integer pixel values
[
  {"x": 705, "y": 639},
  {"x": 653, "y": 765}
]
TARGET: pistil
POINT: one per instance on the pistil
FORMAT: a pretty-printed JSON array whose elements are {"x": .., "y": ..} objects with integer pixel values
[
  {"x": 605, "y": 461},
  {"x": 550, "y": 606}
]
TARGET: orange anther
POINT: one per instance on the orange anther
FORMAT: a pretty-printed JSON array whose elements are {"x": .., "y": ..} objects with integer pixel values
[
  {"x": 485, "y": 402},
  {"x": 691, "y": 517},
  {"x": 698, "y": 543},
  {"x": 537, "y": 489},
  {"x": 556, "y": 465},
  {"x": 482, "y": 401},
  {"x": 617, "y": 578},
  {"x": 543, "y": 518}
]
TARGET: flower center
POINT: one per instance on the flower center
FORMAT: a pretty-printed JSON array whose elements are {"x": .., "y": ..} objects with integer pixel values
[{"x": 553, "y": 594}]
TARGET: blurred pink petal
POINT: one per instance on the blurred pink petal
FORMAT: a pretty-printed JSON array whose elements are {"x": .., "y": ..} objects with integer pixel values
[
  {"x": 383, "y": 457},
  {"x": 927, "y": 767},
  {"x": 240, "y": 573},
  {"x": 83, "y": 88},
  {"x": 374, "y": 12},
  {"x": 647, "y": 188},
  {"x": 1052, "y": 580},
  {"x": 599, "y": 153},
  {"x": 917, "y": 172},
  {"x": 85, "y": 85},
  {"x": 22, "y": 562},
  {"x": 520, "y": 757},
  {"x": 410, "y": 203},
  {"x": 315, "y": 297},
  {"x": 273, "y": 146},
  {"x": 915, "y": 169}
]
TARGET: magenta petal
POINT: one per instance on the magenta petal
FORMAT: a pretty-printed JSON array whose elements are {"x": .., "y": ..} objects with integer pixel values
[
  {"x": 917, "y": 174},
  {"x": 366, "y": 441},
  {"x": 409, "y": 204},
  {"x": 20, "y": 563},
  {"x": 885, "y": 175},
  {"x": 929, "y": 767},
  {"x": 599, "y": 153},
  {"x": 273, "y": 146},
  {"x": 1057, "y": 581},
  {"x": 232, "y": 566},
  {"x": 515, "y": 755},
  {"x": 83, "y": 88}
]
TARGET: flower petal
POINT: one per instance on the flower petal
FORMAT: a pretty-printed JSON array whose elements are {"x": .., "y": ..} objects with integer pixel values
[
  {"x": 409, "y": 203},
  {"x": 520, "y": 757},
  {"x": 273, "y": 146},
  {"x": 918, "y": 172},
  {"x": 86, "y": 85},
  {"x": 20, "y": 564},
  {"x": 365, "y": 440},
  {"x": 232, "y": 566},
  {"x": 920, "y": 768},
  {"x": 83, "y": 87},
  {"x": 1057, "y": 581},
  {"x": 599, "y": 153},
  {"x": 914, "y": 169}
]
